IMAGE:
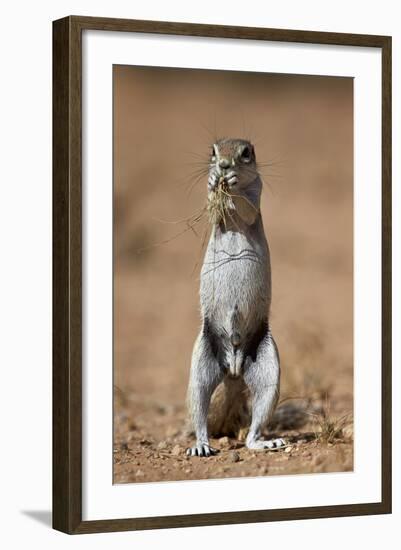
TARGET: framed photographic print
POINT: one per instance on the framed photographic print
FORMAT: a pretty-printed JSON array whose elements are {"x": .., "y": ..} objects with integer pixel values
[{"x": 222, "y": 274}]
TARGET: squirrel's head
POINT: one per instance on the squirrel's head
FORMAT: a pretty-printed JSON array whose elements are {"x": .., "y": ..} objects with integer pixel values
[
  {"x": 233, "y": 164},
  {"x": 234, "y": 160}
]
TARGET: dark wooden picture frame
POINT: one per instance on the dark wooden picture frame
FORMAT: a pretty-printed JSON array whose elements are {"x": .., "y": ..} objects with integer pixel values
[{"x": 67, "y": 274}]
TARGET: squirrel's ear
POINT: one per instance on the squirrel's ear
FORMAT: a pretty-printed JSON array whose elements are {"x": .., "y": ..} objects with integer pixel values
[{"x": 245, "y": 209}]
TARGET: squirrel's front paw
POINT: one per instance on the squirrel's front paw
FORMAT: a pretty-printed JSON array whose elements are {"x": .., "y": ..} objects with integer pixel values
[{"x": 201, "y": 449}]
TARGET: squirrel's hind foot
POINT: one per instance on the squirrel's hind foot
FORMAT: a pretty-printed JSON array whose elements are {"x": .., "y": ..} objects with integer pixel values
[
  {"x": 269, "y": 444},
  {"x": 202, "y": 449}
]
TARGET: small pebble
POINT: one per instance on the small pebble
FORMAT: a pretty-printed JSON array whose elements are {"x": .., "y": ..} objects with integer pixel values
[
  {"x": 176, "y": 450},
  {"x": 162, "y": 445},
  {"x": 233, "y": 456},
  {"x": 224, "y": 441},
  {"x": 318, "y": 460},
  {"x": 288, "y": 449},
  {"x": 139, "y": 473}
]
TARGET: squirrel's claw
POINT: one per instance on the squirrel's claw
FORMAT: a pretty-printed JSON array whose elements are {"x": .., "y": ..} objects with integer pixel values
[{"x": 201, "y": 449}]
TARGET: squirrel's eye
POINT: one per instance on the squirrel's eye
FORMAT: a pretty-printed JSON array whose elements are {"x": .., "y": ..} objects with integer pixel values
[
  {"x": 246, "y": 155},
  {"x": 213, "y": 152}
]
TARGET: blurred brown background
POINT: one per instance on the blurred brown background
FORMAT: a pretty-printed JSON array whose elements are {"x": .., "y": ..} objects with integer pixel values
[{"x": 165, "y": 121}]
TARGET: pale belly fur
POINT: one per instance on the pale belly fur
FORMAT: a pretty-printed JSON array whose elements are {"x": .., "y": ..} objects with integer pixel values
[{"x": 235, "y": 281}]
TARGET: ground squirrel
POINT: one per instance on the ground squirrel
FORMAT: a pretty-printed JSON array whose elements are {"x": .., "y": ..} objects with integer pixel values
[{"x": 235, "y": 360}]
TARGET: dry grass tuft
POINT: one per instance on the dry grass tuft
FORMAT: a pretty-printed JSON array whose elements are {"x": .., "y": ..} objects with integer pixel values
[{"x": 330, "y": 429}]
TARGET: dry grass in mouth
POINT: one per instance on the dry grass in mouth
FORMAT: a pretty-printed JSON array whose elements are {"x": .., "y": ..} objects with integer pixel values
[{"x": 219, "y": 203}]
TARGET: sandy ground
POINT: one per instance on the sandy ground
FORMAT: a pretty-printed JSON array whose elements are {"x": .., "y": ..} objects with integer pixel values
[{"x": 302, "y": 127}]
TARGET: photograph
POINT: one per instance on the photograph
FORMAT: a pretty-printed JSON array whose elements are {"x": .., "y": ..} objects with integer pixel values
[{"x": 233, "y": 258}]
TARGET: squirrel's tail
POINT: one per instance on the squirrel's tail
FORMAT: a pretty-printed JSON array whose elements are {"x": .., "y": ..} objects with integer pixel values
[{"x": 229, "y": 409}]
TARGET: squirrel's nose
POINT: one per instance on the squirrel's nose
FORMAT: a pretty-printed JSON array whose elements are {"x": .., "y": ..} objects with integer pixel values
[{"x": 224, "y": 163}]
